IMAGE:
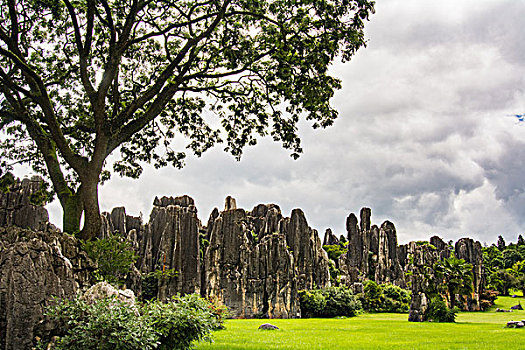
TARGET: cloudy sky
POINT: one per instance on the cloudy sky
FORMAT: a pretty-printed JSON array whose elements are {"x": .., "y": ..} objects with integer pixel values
[{"x": 425, "y": 137}]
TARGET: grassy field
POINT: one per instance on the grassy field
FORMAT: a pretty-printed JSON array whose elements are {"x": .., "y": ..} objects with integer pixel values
[{"x": 473, "y": 330}]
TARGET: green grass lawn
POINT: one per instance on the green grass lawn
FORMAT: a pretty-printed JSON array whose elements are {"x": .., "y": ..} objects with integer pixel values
[{"x": 473, "y": 330}]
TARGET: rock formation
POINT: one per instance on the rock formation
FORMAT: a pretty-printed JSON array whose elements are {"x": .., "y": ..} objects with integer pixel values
[
  {"x": 257, "y": 261},
  {"x": 470, "y": 251},
  {"x": 16, "y": 206},
  {"x": 330, "y": 238},
  {"x": 169, "y": 242},
  {"x": 387, "y": 268},
  {"x": 372, "y": 252},
  {"x": 34, "y": 267},
  {"x": 254, "y": 262},
  {"x": 419, "y": 258}
]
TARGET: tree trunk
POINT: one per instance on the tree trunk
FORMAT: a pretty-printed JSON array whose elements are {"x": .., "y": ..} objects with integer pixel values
[
  {"x": 72, "y": 212},
  {"x": 92, "y": 219}
]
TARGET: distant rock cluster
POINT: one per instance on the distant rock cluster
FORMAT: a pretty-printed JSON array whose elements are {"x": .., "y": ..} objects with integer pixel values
[{"x": 254, "y": 262}]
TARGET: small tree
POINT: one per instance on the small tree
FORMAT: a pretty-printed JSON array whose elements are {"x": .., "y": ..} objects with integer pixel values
[
  {"x": 456, "y": 276},
  {"x": 114, "y": 256},
  {"x": 501, "y": 243}
]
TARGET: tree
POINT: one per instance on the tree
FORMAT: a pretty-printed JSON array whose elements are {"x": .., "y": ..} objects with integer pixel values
[
  {"x": 457, "y": 277},
  {"x": 501, "y": 243},
  {"x": 521, "y": 241},
  {"x": 510, "y": 257},
  {"x": 80, "y": 80},
  {"x": 502, "y": 280}
]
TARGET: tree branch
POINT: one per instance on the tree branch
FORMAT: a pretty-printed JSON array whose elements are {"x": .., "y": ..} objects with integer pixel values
[{"x": 81, "y": 50}]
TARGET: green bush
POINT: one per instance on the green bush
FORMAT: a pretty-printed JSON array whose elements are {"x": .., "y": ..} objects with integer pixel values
[
  {"x": 439, "y": 312},
  {"x": 397, "y": 299},
  {"x": 114, "y": 256},
  {"x": 335, "y": 251},
  {"x": 312, "y": 302},
  {"x": 373, "y": 296},
  {"x": 385, "y": 298},
  {"x": 329, "y": 302},
  {"x": 181, "y": 321},
  {"x": 107, "y": 324},
  {"x": 111, "y": 324}
]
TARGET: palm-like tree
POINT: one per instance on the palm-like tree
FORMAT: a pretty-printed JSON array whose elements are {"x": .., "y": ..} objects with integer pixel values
[{"x": 456, "y": 275}]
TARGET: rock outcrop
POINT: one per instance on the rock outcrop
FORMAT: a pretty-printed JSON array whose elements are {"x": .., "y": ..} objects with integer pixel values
[
  {"x": 169, "y": 243},
  {"x": 330, "y": 238},
  {"x": 420, "y": 257},
  {"x": 257, "y": 261},
  {"x": 35, "y": 266},
  {"x": 254, "y": 262},
  {"x": 372, "y": 252},
  {"x": 17, "y": 208},
  {"x": 471, "y": 252}
]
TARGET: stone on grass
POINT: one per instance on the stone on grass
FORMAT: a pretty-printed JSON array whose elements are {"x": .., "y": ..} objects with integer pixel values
[
  {"x": 268, "y": 326},
  {"x": 515, "y": 324},
  {"x": 502, "y": 310}
]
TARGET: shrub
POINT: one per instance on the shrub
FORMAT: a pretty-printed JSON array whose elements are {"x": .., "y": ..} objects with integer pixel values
[
  {"x": 329, "y": 302},
  {"x": 373, "y": 296},
  {"x": 107, "y": 324},
  {"x": 312, "y": 302},
  {"x": 397, "y": 299},
  {"x": 487, "y": 299},
  {"x": 439, "y": 312},
  {"x": 219, "y": 311},
  {"x": 114, "y": 256},
  {"x": 385, "y": 298},
  {"x": 335, "y": 251},
  {"x": 111, "y": 324},
  {"x": 340, "y": 302},
  {"x": 181, "y": 321}
]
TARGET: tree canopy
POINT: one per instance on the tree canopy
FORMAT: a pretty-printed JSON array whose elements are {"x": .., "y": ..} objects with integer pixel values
[{"x": 83, "y": 79}]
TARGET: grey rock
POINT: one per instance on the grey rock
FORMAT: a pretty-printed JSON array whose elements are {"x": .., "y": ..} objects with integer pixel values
[
  {"x": 16, "y": 208},
  {"x": 257, "y": 261},
  {"x": 515, "y": 324},
  {"x": 330, "y": 238},
  {"x": 34, "y": 267},
  {"x": 268, "y": 326},
  {"x": 104, "y": 290},
  {"x": 230, "y": 203},
  {"x": 311, "y": 260},
  {"x": 420, "y": 279},
  {"x": 471, "y": 252},
  {"x": 502, "y": 310}
]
